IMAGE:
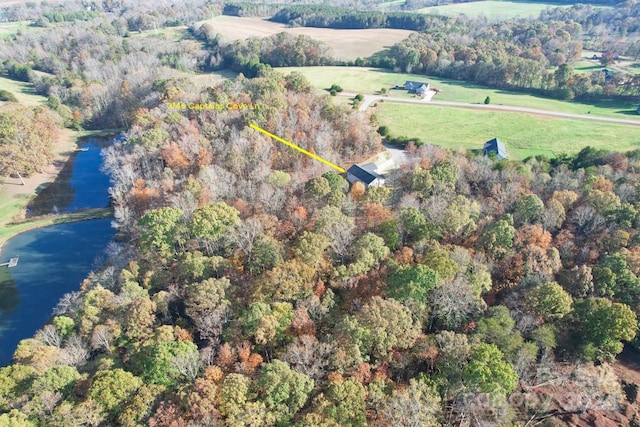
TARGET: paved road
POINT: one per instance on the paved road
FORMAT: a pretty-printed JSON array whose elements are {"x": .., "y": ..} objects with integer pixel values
[{"x": 368, "y": 99}]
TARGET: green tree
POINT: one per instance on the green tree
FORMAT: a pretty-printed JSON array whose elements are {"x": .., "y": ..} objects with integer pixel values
[
  {"x": 599, "y": 327},
  {"x": 112, "y": 388},
  {"x": 234, "y": 393},
  {"x": 499, "y": 328},
  {"x": 211, "y": 221},
  {"x": 413, "y": 225},
  {"x": 205, "y": 297},
  {"x": 162, "y": 231},
  {"x": 550, "y": 301},
  {"x": 412, "y": 283},
  {"x": 487, "y": 100},
  {"x": 346, "y": 403},
  {"x": 283, "y": 390},
  {"x": 311, "y": 247},
  {"x": 318, "y": 186},
  {"x": 497, "y": 238},
  {"x": 158, "y": 362},
  {"x": 384, "y": 325},
  {"x": 528, "y": 209},
  {"x": 488, "y": 372}
]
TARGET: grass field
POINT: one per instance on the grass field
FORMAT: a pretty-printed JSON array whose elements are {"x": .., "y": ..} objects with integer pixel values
[
  {"x": 492, "y": 9},
  {"x": 8, "y": 29},
  {"x": 23, "y": 92},
  {"x": 522, "y": 134},
  {"x": 371, "y": 80},
  {"x": 345, "y": 44}
]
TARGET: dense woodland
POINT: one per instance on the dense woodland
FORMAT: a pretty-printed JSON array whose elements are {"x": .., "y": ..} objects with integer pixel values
[
  {"x": 254, "y": 287},
  {"x": 251, "y": 285}
]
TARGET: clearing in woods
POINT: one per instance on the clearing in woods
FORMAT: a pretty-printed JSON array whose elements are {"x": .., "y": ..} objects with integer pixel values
[{"x": 345, "y": 44}]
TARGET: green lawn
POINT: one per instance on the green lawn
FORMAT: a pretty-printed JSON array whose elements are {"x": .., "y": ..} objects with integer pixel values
[
  {"x": 371, "y": 80},
  {"x": 8, "y": 29},
  {"x": 522, "y": 134},
  {"x": 495, "y": 10},
  {"x": 23, "y": 91}
]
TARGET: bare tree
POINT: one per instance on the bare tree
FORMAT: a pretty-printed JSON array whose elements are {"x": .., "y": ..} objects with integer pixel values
[
  {"x": 101, "y": 338},
  {"x": 69, "y": 303},
  {"x": 188, "y": 365},
  {"x": 308, "y": 356},
  {"x": 75, "y": 351},
  {"x": 244, "y": 236},
  {"x": 50, "y": 336}
]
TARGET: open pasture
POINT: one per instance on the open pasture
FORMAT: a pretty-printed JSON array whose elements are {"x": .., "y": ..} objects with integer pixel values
[
  {"x": 524, "y": 135},
  {"x": 371, "y": 80},
  {"x": 345, "y": 44},
  {"x": 494, "y": 10}
]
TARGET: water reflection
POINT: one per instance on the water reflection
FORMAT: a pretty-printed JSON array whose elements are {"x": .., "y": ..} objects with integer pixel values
[
  {"x": 9, "y": 296},
  {"x": 79, "y": 185}
]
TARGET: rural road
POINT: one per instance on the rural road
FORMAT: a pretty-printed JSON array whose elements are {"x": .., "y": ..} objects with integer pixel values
[{"x": 368, "y": 99}]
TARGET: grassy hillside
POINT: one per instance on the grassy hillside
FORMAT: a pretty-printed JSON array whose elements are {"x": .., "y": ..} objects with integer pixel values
[{"x": 523, "y": 134}]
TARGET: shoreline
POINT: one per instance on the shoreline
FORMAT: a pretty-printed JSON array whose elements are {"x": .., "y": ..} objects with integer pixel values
[
  {"x": 12, "y": 230},
  {"x": 14, "y": 197}
]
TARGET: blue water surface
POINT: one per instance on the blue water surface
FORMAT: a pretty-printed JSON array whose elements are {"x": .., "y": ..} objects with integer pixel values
[
  {"x": 89, "y": 183},
  {"x": 52, "y": 261}
]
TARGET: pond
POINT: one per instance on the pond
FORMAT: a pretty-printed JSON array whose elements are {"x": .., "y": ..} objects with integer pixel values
[{"x": 53, "y": 260}]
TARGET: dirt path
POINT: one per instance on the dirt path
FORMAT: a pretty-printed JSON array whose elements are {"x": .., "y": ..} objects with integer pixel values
[
  {"x": 368, "y": 99},
  {"x": 13, "y": 194}
]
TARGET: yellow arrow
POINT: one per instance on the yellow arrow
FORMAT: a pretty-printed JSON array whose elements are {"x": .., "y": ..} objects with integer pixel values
[{"x": 295, "y": 147}]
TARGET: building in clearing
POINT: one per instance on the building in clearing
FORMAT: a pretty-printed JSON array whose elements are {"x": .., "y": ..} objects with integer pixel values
[
  {"x": 419, "y": 88},
  {"x": 496, "y": 147},
  {"x": 370, "y": 179}
]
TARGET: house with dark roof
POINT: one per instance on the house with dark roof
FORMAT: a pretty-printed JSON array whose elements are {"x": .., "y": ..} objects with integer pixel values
[
  {"x": 496, "y": 147},
  {"x": 369, "y": 178},
  {"x": 419, "y": 88}
]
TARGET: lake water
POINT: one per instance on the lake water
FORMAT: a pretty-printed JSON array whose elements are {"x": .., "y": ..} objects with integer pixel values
[{"x": 53, "y": 260}]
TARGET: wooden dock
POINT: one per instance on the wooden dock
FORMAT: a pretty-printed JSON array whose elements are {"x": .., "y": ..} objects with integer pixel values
[{"x": 12, "y": 263}]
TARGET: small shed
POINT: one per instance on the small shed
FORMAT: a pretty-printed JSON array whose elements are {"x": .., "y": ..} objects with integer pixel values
[
  {"x": 370, "y": 179},
  {"x": 419, "y": 88},
  {"x": 497, "y": 147}
]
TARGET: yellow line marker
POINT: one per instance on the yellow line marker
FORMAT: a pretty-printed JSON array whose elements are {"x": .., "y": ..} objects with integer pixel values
[{"x": 295, "y": 147}]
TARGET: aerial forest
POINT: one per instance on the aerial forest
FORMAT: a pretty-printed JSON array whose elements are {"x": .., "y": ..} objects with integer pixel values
[{"x": 250, "y": 285}]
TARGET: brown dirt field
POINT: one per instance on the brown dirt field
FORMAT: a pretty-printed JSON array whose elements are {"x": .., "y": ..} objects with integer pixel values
[{"x": 345, "y": 44}]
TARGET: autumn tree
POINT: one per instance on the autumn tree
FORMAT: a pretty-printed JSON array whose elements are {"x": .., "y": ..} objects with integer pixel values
[{"x": 27, "y": 135}]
